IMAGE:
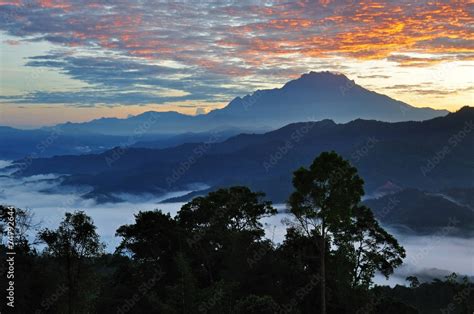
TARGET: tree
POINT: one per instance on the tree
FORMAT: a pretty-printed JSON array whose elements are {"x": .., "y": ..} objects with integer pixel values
[
  {"x": 74, "y": 241},
  {"x": 372, "y": 248},
  {"x": 413, "y": 280},
  {"x": 323, "y": 200},
  {"x": 326, "y": 206},
  {"x": 234, "y": 209},
  {"x": 154, "y": 243},
  {"x": 22, "y": 222},
  {"x": 15, "y": 227},
  {"x": 224, "y": 227},
  {"x": 153, "y": 238}
]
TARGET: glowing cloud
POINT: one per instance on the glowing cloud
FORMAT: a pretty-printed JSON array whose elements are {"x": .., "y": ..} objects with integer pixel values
[{"x": 239, "y": 44}]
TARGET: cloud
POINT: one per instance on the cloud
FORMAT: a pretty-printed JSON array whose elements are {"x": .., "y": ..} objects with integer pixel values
[
  {"x": 193, "y": 46},
  {"x": 427, "y": 88},
  {"x": 124, "y": 81},
  {"x": 374, "y": 76},
  {"x": 414, "y": 61},
  {"x": 433, "y": 256},
  {"x": 201, "y": 34},
  {"x": 48, "y": 201},
  {"x": 12, "y": 42}
]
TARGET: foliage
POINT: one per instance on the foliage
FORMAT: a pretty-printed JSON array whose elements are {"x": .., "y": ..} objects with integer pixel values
[{"x": 212, "y": 257}]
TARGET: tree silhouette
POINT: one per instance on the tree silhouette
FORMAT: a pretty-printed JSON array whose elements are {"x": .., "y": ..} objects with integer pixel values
[
  {"x": 324, "y": 197},
  {"x": 370, "y": 247},
  {"x": 23, "y": 223},
  {"x": 413, "y": 280},
  {"x": 326, "y": 206},
  {"x": 153, "y": 238},
  {"x": 225, "y": 221},
  {"x": 73, "y": 243}
]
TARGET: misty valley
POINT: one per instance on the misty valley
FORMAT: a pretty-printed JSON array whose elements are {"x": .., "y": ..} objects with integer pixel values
[
  {"x": 236, "y": 157},
  {"x": 317, "y": 195}
]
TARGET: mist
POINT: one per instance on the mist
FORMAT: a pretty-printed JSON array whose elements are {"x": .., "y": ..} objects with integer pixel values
[{"x": 428, "y": 257}]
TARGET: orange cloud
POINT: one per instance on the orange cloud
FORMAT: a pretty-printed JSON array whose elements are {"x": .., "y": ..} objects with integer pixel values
[
  {"x": 237, "y": 39},
  {"x": 55, "y": 4},
  {"x": 365, "y": 30},
  {"x": 12, "y": 2}
]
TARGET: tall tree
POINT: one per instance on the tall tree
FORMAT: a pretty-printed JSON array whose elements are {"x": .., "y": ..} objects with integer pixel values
[
  {"x": 15, "y": 227},
  {"x": 154, "y": 243},
  {"x": 323, "y": 200},
  {"x": 73, "y": 242}
]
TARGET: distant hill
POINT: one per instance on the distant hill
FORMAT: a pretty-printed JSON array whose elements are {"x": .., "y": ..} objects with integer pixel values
[
  {"x": 424, "y": 213},
  {"x": 313, "y": 96},
  {"x": 178, "y": 139},
  {"x": 430, "y": 155},
  {"x": 15, "y": 143}
]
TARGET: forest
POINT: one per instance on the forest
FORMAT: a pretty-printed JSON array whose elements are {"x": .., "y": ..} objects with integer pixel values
[{"x": 213, "y": 257}]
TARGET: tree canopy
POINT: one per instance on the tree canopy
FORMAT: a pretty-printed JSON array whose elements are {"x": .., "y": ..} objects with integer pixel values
[{"x": 214, "y": 257}]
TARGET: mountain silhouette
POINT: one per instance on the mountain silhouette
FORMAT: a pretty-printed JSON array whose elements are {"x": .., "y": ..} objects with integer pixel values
[{"x": 314, "y": 96}]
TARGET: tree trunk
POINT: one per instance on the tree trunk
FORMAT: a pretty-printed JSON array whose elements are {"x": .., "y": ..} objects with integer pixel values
[
  {"x": 323, "y": 271},
  {"x": 69, "y": 283}
]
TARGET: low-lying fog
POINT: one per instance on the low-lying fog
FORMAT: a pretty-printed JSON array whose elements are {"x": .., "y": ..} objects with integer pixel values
[{"x": 427, "y": 256}]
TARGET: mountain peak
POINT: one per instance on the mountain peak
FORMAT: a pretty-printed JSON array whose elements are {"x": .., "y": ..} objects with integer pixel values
[
  {"x": 324, "y": 75},
  {"x": 314, "y": 96},
  {"x": 324, "y": 79},
  {"x": 466, "y": 110},
  {"x": 464, "y": 114}
]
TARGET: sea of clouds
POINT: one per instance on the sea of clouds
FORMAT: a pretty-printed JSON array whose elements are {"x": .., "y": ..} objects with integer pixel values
[{"x": 427, "y": 256}]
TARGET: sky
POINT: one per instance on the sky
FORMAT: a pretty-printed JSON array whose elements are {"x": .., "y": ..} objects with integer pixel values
[{"x": 79, "y": 60}]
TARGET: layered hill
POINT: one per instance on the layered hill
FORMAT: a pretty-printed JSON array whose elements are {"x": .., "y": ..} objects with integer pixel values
[
  {"x": 428, "y": 155},
  {"x": 425, "y": 213}
]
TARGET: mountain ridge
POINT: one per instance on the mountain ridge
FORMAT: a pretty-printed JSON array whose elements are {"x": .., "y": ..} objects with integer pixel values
[
  {"x": 382, "y": 151},
  {"x": 314, "y": 95}
]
